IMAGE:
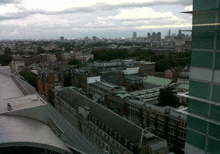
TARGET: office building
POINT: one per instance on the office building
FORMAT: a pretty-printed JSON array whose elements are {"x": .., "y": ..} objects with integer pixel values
[
  {"x": 159, "y": 36},
  {"x": 169, "y": 34},
  {"x": 134, "y": 35},
  {"x": 61, "y": 38},
  {"x": 148, "y": 36},
  {"x": 139, "y": 107},
  {"x": 110, "y": 132},
  {"x": 180, "y": 32},
  {"x": 203, "y": 121},
  {"x": 153, "y": 36}
]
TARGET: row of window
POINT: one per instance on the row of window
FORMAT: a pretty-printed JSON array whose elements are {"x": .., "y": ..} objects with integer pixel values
[
  {"x": 202, "y": 108},
  {"x": 180, "y": 123},
  {"x": 105, "y": 136},
  {"x": 199, "y": 140}
]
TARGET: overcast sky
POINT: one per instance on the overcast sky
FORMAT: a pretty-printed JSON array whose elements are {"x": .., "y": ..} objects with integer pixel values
[{"x": 45, "y": 19}]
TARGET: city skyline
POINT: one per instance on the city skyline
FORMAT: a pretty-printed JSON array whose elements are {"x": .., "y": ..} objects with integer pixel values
[{"x": 24, "y": 19}]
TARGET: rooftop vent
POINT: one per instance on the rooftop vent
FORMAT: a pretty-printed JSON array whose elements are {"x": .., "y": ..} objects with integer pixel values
[{"x": 9, "y": 107}]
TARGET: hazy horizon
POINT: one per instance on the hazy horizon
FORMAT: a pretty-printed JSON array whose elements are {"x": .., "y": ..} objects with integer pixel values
[{"x": 26, "y": 19}]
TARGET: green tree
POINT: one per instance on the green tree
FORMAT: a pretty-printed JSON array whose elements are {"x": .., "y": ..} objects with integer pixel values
[
  {"x": 30, "y": 77},
  {"x": 163, "y": 64},
  {"x": 90, "y": 60},
  {"x": 67, "y": 81},
  {"x": 5, "y": 59},
  {"x": 7, "y": 50},
  {"x": 74, "y": 62},
  {"x": 20, "y": 52},
  {"x": 38, "y": 61},
  {"x": 68, "y": 49},
  {"x": 41, "y": 50},
  {"x": 168, "y": 98}
]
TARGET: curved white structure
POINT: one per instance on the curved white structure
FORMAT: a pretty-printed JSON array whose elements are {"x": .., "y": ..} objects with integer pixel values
[{"x": 20, "y": 131}]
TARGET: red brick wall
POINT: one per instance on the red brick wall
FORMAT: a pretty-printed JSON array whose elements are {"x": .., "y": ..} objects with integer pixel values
[
  {"x": 46, "y": 89},
  {"x": 40, "y": 86},
  {"x": 50, "y": 78}
]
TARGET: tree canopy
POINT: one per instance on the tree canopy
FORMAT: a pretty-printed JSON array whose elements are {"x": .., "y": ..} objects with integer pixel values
[
  {"x": 31, "y": 78},
  {"x": 168, "y": 98},
  {"x": 7, "y": 50},
  {"x": 74, "y": 62},
  {"x": 5, "y": 59},
  {"x": 110, "y": 54}
]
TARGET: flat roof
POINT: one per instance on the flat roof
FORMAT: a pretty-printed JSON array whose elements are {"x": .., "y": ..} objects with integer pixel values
[
  {"x": 104, "y": 85},
  {"x": 20, "y": 103},
  {"x": 34, "y": 71},
  {"x": 184, "y": 86},
  {"x": 36, "y": 108},
  {"x": 156, "y": 80},
  {"x": 8, "y": 88}
]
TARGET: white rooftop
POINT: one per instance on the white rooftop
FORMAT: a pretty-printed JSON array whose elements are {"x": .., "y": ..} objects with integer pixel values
[
  {"x": 8, "y": 89},
  {"x": 20, "y": 131},
  {"x": 20, "y": 103}
]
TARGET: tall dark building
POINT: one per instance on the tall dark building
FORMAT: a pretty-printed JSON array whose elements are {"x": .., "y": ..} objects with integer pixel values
[
  {"x": 169, "y": 34},
  {"x": 180, "y": 32},
  {"x": 153, "y": 36},
  {"x": 148, "y": 36},
  {"x": 159, "y": 36},
  {"x": 134, "y": 35},
  {"x": 61, "y": 38}
]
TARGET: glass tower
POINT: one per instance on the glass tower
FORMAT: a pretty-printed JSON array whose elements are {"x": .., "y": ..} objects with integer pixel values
[{"x": 203, "y": 121}]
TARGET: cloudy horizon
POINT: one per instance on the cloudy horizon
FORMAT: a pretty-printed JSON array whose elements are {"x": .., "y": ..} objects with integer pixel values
[{"x": 26, "y": 19}]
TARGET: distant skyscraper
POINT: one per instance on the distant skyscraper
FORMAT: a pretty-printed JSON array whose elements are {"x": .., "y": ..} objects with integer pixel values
[
  {"x": 153, "y": 36},
  {"x": 180, "y": 32},
  {"x": 159, "y": 36},
  {"x": 203, "y": 120},
  {"x": 134, "y": 35},
  {"x": 61, "y": 38},
  {"x": 94, "y": 38},
  {"x": 169, "y": 33},
  {"x": 148, "y": 36}
]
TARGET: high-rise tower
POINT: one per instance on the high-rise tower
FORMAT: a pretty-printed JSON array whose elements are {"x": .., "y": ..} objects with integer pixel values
[
  {"x": 203, "y": 121},
  {"x": 134, "y": 35},
  {"x": 169, "y": 33}
]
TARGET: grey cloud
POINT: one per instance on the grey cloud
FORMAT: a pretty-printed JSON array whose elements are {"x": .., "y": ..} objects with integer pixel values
[
  {"x": 97, "y": 7},
  {"x": 9, "y": 1},
  {"x": 9, "y": 18},
  {"x": 138, "y": 19},
  {"x": 105, "y": 6}
]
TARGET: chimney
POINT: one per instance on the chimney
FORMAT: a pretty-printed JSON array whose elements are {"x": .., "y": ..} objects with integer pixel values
[{"x": 9, "y": 107}]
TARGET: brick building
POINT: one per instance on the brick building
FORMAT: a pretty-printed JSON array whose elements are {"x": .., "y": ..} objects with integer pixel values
[
  {"x": 139, "y": 108},
  {"x": 110, "y": 132},
  {"x": 47, "y": 79}
]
